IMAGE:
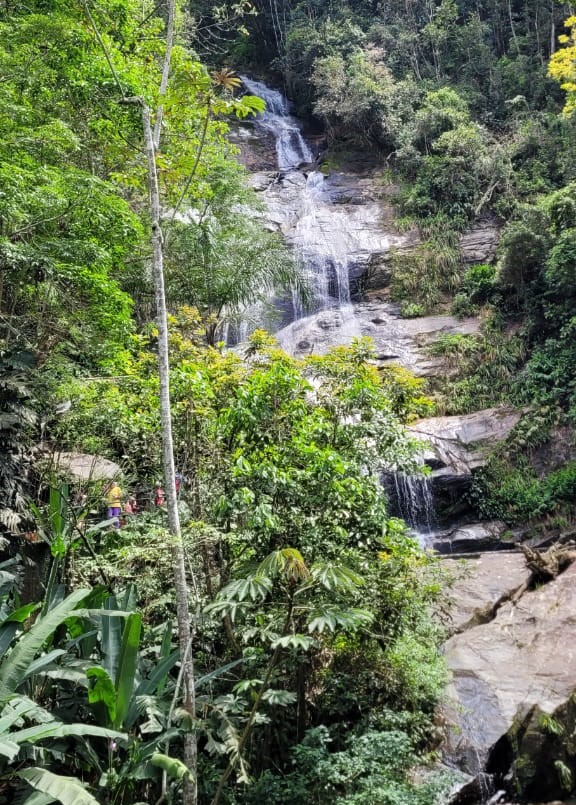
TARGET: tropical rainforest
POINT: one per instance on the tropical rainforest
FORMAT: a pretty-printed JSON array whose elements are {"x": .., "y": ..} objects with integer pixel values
[{"x": 270, "y": 631}]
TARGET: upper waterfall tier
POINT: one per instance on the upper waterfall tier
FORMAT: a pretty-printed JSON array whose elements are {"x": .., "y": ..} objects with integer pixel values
[{"x": 291, "y": 148}]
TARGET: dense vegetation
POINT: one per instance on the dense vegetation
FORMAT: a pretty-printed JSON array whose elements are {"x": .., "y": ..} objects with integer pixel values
[
  {"x": 312, "y": 647},
  {"x": 468, "y": 105},
  {"x": 297, "y": 575}
]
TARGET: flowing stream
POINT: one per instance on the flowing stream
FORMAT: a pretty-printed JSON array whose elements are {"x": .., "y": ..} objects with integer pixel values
[{"x": 291, "y": 148}]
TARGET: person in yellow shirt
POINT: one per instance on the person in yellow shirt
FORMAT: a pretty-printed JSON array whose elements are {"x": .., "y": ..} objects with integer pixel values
[{"x": 114, "y": 502}]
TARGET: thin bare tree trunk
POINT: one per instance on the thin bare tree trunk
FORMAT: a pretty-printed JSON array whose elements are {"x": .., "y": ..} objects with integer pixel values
[
  {"x": 189, "y": 794},
  {"x": 512, "y": 28},
  {"x": 165, "y": 72},
  {"x": 185, "y": 634}
]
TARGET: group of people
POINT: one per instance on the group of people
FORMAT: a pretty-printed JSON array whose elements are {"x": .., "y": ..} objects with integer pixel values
[
  {"x": 119, "y": 509},
  {"x": 115, "y": 506}
]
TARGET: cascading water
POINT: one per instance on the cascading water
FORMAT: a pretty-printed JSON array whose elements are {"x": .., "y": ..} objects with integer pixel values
[
  {"x": 411, "y": 498},
  {"x": 314, "y": 218},
  {"x": 325, "y": 262},
  {"x": 291, "y": 148},
  {"x": 324, "y": 236}
]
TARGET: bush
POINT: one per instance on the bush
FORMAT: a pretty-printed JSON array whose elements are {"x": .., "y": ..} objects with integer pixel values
[
  {"x": 478, "y": 283},
  {"x": 370, "y": 770},
  {"x": 411, "y": 310},
  {"x": 462, "y": 307},
  {"x": 517, "y": 495}
]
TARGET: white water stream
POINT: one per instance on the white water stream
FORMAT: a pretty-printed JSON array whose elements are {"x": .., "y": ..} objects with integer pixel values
[
  {"x": 291, "y": 148},
  {"x": 323, "y": 236}
]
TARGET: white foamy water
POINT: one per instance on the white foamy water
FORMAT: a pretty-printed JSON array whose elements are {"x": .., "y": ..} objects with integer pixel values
[{"x": 291, "y": 148}]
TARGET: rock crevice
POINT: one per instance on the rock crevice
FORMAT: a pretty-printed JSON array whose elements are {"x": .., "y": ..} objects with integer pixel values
[{"x": 512, "y": 656}]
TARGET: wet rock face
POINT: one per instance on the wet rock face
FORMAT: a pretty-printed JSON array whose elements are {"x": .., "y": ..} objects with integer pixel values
[
  {"x": 396, "y": 340},
  {"x": 470, "y": 538},
  {"x": 336, "y": 217},
  {"x": 510, "y": 707},
  {"x": 479, "y": 244},
  {"x": 459, "y": 444}
]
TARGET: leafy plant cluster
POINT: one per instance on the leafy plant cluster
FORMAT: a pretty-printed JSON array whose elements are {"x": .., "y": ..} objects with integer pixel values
[
  {"x": 519, "y": 496},
  {"x": 299, "y": 579},
  {"x": 369, "y": 769}
]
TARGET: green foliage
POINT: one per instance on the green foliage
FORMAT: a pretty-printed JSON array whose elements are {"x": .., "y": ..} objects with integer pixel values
[
  {"x": 478, "y": 283},
  {"x": 479, "y": 370},
  {"x": 536, "y": 275},
  {"x": 478, "y": 288},
  {"x": 285, "y": 523},
  {"x": 518, "y": 496},
  {"x": 424, "y": 276},
  {"x": 229, "y": 268},
  {"x": 411, "y": 310},
  {"x": 369, "y": 768},
  {"x": 67, "y": 790},
  {"x": 356, "y": 96},
  {"x": 17, "y": 417},
  {"x": 15, "y": 665}
]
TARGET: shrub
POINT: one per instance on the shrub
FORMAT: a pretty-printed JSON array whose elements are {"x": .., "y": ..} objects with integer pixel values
[
  {"x": 411, "y": 310},
  {"x": 462, "y": 307},
  {"x": 478, "y": 283}
]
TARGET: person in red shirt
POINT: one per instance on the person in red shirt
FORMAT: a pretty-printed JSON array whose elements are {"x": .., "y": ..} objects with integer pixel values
[{"x": 159, "y": 495}]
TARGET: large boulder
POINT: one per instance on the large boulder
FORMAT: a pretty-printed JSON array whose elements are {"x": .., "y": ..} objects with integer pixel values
[
  {"x": 396, "y": 340},
  {"x": 470, "y": 538},
  {"x": 459, "y": 444},
  {"x": 85, "y": 467},
  {"x": 513, "y": 681},
  {"x": 481, "y": 584}
]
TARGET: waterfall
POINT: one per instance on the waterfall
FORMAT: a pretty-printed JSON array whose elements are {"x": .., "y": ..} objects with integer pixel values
[
  {"x": 291, "y": 148},
  {"x": 313, "y": 219},
  {"x": 412, "y": 499},
  {"x": 324, "y": 261}
]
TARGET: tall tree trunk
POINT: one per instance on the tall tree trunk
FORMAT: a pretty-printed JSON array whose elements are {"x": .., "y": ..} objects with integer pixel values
[
  {"x": 189, "y": 796},
  {"x": 185, "y": 634},
  {"x": 165, "y": 72}
]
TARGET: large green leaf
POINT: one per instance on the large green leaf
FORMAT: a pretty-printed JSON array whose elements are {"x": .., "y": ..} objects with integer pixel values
[
  {"x": 127, "y": 665},
  {"x": 37, "y": 798},
  {"x": 102, "y": 692},
  {"x": 112, "y": 625},
  {"x": 57, "y": 729},
  {"x": 336, "y": 577},
  {"x": 7, "y": 636},
  {"x": 21, "y": 614},
  {"x": 8, "y": 748},
  {"x": 111, "y": 638},
  {"x": 67, "y": 790},
  {"x": 150, "y": 685},
  {"x": 18, "y": 707},
  {"x": 14, "y": 666},
  {"x": 153, "y": 684},
  {"x": 172, "y": 766},
  {"x": 41, "y": 663}
]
